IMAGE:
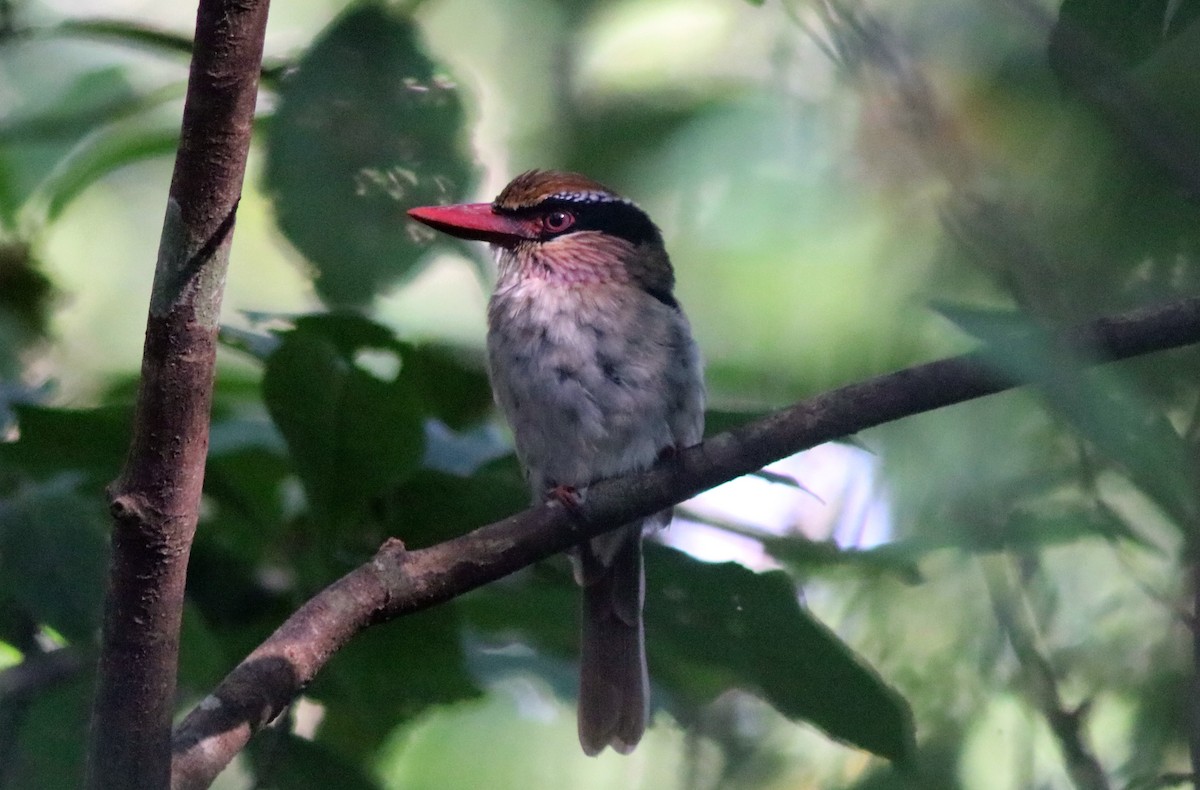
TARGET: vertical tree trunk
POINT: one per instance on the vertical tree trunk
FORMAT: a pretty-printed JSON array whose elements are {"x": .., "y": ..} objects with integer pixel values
[{"x": 155, "y": 501}]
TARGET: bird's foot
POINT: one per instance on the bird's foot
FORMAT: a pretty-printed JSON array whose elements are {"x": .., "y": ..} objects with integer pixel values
[{"x": 567, "y": 496}]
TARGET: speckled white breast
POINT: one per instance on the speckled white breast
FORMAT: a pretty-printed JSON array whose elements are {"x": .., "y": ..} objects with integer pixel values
[{"x": 595, "y": 379}]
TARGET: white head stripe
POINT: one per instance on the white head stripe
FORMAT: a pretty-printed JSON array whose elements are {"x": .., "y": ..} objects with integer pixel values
[{"x": 589, "y": 197}]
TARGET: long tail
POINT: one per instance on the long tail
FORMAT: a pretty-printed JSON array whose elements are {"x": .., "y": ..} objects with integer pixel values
[{"x": 614, "y": 692}]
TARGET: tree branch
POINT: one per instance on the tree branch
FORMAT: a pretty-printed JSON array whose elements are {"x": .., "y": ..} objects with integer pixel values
[
  {"x": 397, "y": 582},
  {"x": 39, "y": 672},
  {"x": 155, "y": 501},
  {"x": 1019, "y": 624}
]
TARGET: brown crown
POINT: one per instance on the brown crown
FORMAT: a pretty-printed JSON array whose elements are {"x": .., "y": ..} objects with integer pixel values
[{"x": 534, "y": 186}]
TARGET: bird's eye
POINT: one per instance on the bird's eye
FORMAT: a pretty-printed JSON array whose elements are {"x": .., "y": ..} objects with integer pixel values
[{"x": 558, "y": 221}]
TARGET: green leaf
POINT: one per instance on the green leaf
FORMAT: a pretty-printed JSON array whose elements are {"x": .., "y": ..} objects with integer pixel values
[
  {"x": 984, "y": 323},
  {"x": 713, "y": 627},
  {"x": 349, "y": 332},
  {"x": 26, "y": 304},
  {"x": 237, "y": 604},
  {"x": 244, "y": 480},
  {"x": 109, "y": 149},
  {"x": 454, "y": 390},
  {"x": 799, "y": 552},
  {"x": 127, "y": 32},
  {"x": 351, "y": 435},
  {"x": 91, "y": 442},
  {"x": 94, "y": 98},
  {"x": 610, "y": 133},
  {"x": 50, "y": 749},
  {"x": 1157, "y": 718},
  {"x": 227, "y": 588},
  {"x": 387, "y": 675},
  {"x": 434, "y": 506},
  {"x": 53, "y": 556},
  {"x": 245, "y": 496},
  {"x": 368, "y": 125},
  {"x": 539, "y": 606},
  {"x": 50, "y": 147},
  {"x": 1038, "y": 526},
  {"x": 284, "y": 761},
  {"x": 1127, "y": 32},
  {"x": 435, "y": 381},
  {"x": 202, "y": 661},
  {"x": 1049, "y": 526},
  {"x": 151, "y": 39}
]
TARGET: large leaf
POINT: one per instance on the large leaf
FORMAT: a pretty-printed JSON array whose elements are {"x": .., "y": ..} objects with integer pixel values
[
  {"x": 88, "y": 442},
  {"x": 387, "y": 675},
  {"x": 60, "y": 106},
  {"x": 367, "y": 126},
  {"x": 455, "y": 390},
  {"x": 110, "y": 148},
  {"x": 53, "y": 553},
  {"x": 390, "y": 402},
  {"x": 26, "y": 301},
  {"x": 283, "y": 761},
  {"x": 1127, "y": 32},
  {"x": 128, "y": 33},
  {"x": 50, "y": 749},
  {"x": 434, "y": 506},
  {"x": 710, "y": 628},
  {"x": 452, "y": 385},
  {"x": 244, "y": 486},
  {"x": 351, "y": 434},
  {"x": 202, "y": 662},
  {"x": 806, "y": 555},
  {"x": 349, "y": 332}
]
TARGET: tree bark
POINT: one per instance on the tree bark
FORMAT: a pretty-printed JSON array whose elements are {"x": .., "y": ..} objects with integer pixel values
[{"x": 155, "y": 501}]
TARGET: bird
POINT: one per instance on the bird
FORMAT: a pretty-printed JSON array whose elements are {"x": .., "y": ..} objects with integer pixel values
[{"x": 593, "y": 364}]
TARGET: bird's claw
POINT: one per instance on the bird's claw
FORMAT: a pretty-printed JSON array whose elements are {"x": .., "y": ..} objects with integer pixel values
[{"x": 568, "y": 497}]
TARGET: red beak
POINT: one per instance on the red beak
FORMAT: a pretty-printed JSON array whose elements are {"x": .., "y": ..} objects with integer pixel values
[{"x": 473, "y": 221}]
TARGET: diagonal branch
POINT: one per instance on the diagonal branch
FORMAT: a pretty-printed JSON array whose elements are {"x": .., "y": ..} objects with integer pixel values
[
  {"x": 397, "y": 582},
  {"x": 1017, "y": 620},
  {"x": 156, "y": 500}
]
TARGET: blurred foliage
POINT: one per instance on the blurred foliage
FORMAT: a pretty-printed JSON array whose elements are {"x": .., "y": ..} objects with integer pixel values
[
  {"x": 366, "y": 124},
  {"x": 846, "y": 188}
]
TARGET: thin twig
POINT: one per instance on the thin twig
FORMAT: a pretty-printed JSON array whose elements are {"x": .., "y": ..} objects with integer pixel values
[
  {"x": 39, "y": 672},
  {"x": 1019, "y": 624}
]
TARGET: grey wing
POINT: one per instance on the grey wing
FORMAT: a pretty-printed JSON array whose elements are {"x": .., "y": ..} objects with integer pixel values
[{"x": 687, "y": 388}]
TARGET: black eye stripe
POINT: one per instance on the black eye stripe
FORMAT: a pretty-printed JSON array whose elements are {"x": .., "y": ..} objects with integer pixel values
[{"x": 614, "y": 217}]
